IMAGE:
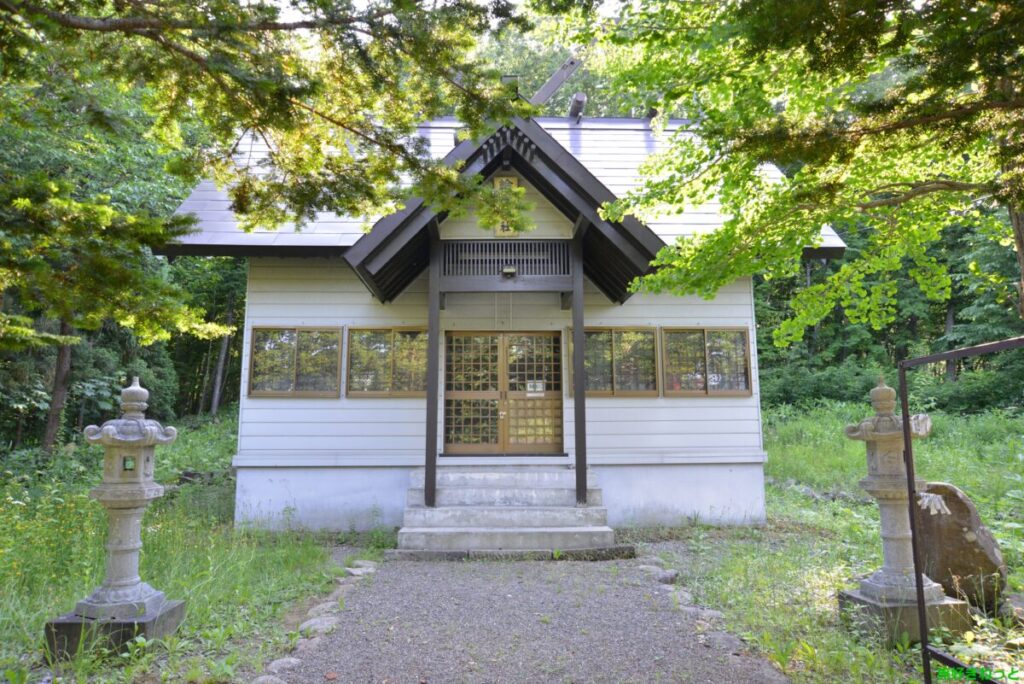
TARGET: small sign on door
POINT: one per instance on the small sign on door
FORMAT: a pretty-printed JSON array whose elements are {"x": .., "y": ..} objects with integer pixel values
[{"x": 534, "y": 388}]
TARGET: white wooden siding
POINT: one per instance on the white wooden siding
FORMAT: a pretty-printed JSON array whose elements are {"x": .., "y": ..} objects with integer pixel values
[{"x": 386, "y": 431}]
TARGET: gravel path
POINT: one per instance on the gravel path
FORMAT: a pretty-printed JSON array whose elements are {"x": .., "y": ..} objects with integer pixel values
[{"x": 496, "y": 621}]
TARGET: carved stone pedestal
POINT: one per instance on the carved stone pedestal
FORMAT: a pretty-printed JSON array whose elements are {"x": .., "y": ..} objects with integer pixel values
[
  {"x": 886, "y": 601},
  {"x": 70, "y": 634}
]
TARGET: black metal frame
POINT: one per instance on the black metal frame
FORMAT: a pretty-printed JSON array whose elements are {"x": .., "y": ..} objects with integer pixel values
[{"x": 929, "y": 652}]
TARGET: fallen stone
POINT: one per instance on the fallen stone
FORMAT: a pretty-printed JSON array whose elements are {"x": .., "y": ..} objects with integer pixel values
[
  {"x": 305, "y": 645},
  {"x": 651, "y": 560},
  {"x": 360, "y": 572},
  {"x": 959, "y": 551},
  {"x": 684, "y": 597},
  {"x": 701, "y": 613},
  {"x": 723, "y": 641},
  {"x": 364, "y": 564},
  {"x": 325, "y": 608},
  {"x": 268, "y": 679},
  {"x": 339, "y": 591},
  {"x": 650, "y": 569},
  {"x": 668, "y": 576},
  {"x": 318, "y": 625},
  {"x": 283, "y": 665}
]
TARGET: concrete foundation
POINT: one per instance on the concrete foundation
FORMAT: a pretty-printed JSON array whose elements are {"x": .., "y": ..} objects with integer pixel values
[
  {"x": 70, "y": 634},
  {"x": 330, "y": 499},
  {"x": 361, "y": 498}
]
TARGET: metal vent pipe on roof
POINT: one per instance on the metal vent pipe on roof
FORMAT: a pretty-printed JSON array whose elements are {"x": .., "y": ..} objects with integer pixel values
[{"x": 576, "y": 105}]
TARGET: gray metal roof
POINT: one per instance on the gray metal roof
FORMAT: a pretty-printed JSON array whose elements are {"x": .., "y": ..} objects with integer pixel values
[{"x": 612, "y": 149}]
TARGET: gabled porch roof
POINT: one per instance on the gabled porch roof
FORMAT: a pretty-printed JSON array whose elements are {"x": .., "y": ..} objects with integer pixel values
[{"x": 397, "y": 249}]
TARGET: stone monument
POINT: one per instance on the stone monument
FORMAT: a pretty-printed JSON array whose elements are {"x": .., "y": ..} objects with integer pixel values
[
  {"x": 887, "y": 599},
  {"x": 124, "y": 606}
]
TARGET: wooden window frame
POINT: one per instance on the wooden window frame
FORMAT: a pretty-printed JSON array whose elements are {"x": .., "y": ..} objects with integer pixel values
[
  {"x": 707, "y": 391},
  {"x": 613, "y": 392},
  {"x": 297, "y": 394},
  {"x": 365, "y": 394}
]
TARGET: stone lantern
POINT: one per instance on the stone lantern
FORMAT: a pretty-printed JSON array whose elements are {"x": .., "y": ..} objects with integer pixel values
[
  {"x": 888, "y": 597},
  {"x": 124, "y": 606}
]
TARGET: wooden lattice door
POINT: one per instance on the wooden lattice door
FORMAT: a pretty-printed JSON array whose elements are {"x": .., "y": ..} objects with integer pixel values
[{"x": 503, "y": 393}]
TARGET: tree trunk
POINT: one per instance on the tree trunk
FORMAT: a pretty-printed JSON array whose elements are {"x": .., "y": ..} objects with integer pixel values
[
  {"x": 951, "y": 363},
  {"x": 222, "y": 358},
  {"x": 18, "y": 431},
  {"x": 61, "y": 382},
  {"x": 206, "y": 380},
  {"x": 1017, "y": 222}
]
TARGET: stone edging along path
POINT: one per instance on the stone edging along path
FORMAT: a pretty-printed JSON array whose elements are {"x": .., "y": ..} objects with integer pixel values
[{"x": 514, "y": 621}]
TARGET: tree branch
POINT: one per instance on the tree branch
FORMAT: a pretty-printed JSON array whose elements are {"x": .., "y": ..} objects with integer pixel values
[
  {"x": 154, "y": 23},
  {"x": 385, "y": 145},
  {"x": 918, "y": 189}
]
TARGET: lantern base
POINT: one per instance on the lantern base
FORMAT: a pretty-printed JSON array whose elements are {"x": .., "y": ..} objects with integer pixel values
[
  {"x": 70, "y": 634},
  {"x": 892, "y": 619}
]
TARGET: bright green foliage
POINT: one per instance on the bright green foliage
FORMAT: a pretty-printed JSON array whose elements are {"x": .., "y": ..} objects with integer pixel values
[
  {"x": 503, "y": 207},
  {"x": 86, "y": 261},
  {"x": 838, "y": 359},
  {"x": 898, "y": 119}
]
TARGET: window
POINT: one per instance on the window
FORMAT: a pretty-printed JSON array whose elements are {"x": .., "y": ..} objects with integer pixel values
[
  {"x": 706, "y": 361},
  {"x": 620, "y": 362},
  {"x": 288, "y": 362},
  {"x": 387, "y": 362}
]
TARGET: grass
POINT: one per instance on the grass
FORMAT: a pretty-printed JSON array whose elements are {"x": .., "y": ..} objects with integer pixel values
[
  {"x": 777, "y": 584},
  {"x": 237, "y": 583}
]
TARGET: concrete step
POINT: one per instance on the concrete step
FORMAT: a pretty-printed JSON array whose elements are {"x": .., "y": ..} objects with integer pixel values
[
  {"x": 506, "y": 516},
  {"x": 503, "y": 496},
  {"x": 512, "y": 476},
  {"x": 501, "y": 538}
]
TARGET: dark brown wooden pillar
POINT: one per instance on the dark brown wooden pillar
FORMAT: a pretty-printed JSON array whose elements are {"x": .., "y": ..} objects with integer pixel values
[
  {"x": 579, "y": 381},
  {"x": 433, "y": 371}
]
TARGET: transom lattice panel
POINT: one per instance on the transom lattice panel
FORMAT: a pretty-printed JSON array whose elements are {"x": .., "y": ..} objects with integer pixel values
[{"x": 462, "y": 258}]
